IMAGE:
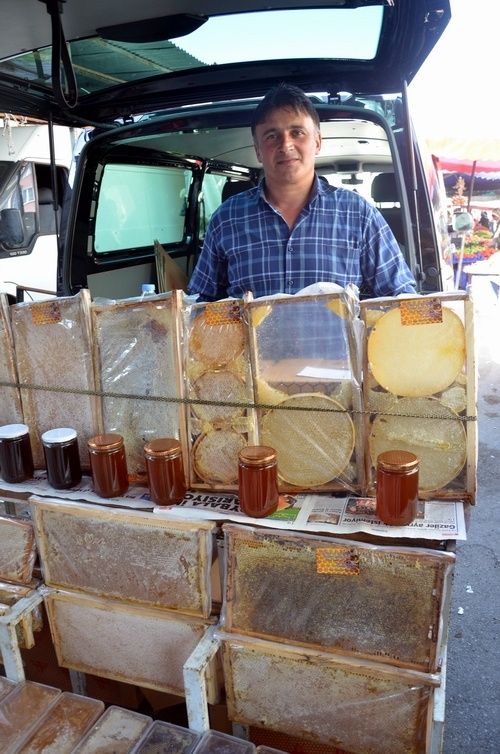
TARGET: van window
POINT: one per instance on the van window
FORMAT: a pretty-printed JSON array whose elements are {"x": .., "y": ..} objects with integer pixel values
[
  {"x": 210, "y": 198},
  {"x": 18, "y": 195},
  {"x": 138, "y": 204}
]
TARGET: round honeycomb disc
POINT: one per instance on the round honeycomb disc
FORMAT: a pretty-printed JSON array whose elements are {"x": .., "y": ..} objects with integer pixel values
[
  {"x": 313, "y": 446},
  {"x": 215, "y": 456},
  {"x": 219, "y": 386},
  {"x": 439, "y": 441},
  {"x": 416, "y": 360},
  {"x": 216, "y": 343}
]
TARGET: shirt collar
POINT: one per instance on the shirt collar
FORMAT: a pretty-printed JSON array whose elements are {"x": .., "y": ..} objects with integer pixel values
[{"x": 319, "y": 187}]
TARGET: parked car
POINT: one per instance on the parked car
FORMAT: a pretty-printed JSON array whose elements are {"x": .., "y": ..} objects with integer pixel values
[{"x": 170, "y": 94}]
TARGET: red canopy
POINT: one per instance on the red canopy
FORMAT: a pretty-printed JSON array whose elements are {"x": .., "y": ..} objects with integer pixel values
[{"x": 454, "y": 165}]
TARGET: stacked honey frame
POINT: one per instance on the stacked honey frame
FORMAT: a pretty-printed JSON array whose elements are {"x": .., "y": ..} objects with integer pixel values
[
  {"x": 332, "y": 641},
  {"x": 128, "y": 594},
  {"x": 420, "y": 389}
]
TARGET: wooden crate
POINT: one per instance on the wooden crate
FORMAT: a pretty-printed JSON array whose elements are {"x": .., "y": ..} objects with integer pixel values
[
  {"x": 10, "y": 398},
  {"x": 384, "y": 603},
  {"x": 20, "y": 617},
  {"x": 17, "y": 550},
  {"x": 358, "y": 706},
  {"x": 307, "y": 386},
  {"x": 216, "y": 369},
  {"x": 54, "y": 351},
  {"x": 136, "y": 347},
  {"x": 427, "y": 404},
  {"x": 139, "y": 645},
  {"x": 133, "y": 556}
]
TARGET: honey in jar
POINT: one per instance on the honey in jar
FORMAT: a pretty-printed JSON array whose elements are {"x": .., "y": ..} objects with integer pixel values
[
  {"x": 108, "y": 464},
  {"x": 258, "y": 480},
  {"x": 16, "y": 458},
  {"x": 397, "y": 487},
  {"x": 165, "y": 471},
  {"x": 62, "y": 458}
]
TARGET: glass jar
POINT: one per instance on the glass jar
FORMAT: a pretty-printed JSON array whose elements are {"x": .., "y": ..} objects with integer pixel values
[
  {"x": 62, "y": 457},
  {"x": 108, "y": 465},
  {"x": 258, "y": 480},
  {"x": 16, "y": 458},
  {"x": 397, "y": 487},
  {"x": 165, "y": 471}
]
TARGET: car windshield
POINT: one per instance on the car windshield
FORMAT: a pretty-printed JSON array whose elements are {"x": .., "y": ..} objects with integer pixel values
[{"x": 335, "y": 33}]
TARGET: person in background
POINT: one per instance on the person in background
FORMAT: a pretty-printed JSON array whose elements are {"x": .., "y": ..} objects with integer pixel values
[{"x": 294, "y": 229}]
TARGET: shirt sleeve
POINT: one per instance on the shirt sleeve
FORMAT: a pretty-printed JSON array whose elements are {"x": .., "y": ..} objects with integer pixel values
[
  {"x": 384, "y": 268},
  {"x": 209, "y": 278}
]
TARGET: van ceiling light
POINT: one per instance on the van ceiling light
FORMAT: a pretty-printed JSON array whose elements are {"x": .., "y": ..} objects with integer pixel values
[{"x": 153, "y": 29}]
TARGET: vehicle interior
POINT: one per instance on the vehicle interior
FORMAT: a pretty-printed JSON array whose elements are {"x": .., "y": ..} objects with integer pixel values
[{"x": 162, "y": 178}]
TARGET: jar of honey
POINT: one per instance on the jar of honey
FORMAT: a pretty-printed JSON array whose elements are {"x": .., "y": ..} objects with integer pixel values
[
  {"x": 16, "y": 458},
  {"x": 165, "y": 471},
  {"x": 258, "y": 480},
  {"x": 62, "y": 457},
  {"x": 397, "y": 487},
  {"x": 108, "y": 464}
]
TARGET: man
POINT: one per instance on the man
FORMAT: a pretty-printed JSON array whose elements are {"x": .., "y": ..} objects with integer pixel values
[{"x": 295, "y": 229}]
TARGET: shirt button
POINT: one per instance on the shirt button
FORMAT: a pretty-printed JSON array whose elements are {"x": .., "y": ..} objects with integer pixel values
[{"x": 290, "y": 283}]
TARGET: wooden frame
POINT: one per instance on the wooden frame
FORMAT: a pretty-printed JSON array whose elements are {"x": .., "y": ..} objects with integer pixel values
[
  {"x": 133, "y": 556},
  {"x": 17, "y": 550},
  {"x": 148, "y": 331},
  {"x": 379, "y": 402},
  {"x": 133, "y": 644},
  {"x": 53, "y": 346},
  {"x": 374, "y": 602},
  {"x": 10, "y": 397},
  {"x": 277, "y": 376}
]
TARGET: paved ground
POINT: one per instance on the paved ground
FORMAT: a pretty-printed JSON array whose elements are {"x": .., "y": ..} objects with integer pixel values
[{"x": 473, "y": 683}]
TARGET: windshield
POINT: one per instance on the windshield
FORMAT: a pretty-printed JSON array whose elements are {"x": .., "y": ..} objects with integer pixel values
[{"x": 335, "y": 33}]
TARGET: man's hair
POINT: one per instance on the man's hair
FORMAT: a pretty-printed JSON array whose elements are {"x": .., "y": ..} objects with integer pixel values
[{"x": 284, "y": 96}]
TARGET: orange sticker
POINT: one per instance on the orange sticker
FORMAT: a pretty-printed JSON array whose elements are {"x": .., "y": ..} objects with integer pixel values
[
  {"x": 337, "y": 561},
  {"x": 421, "y": 312},
  {"x": 46, "y": 314},
  {"x": 222, "y": 313}
]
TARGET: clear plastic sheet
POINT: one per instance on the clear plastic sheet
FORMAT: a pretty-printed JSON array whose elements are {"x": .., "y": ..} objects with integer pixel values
[
  {"x": 218, "y": 386},
  {"x": 420, "y": 389},
  {"x": 10, "y": 398},
  {"x": 130, "y": 643},
  {"x": 21, "y": 711},
  {"x": 338, "y": 595},
  {"x": 116, "y": 732},
  {"x": 307, "y": 386},
  {"x": 54, "y": 350},
  {"x": 136, "y": 355},
  {"x": 361, "y": 707},
  {"x": 127, "y": 555},
  {"x": 166, "y": 738},
  {"x": 64, "y": 725},
  {"x": 17, "y": 550}
]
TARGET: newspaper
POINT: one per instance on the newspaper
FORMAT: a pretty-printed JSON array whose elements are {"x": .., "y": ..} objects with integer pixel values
[
  {"x": 307, "y": 512},
  {"x": 137, "y": 495},
  {"x": 435, "y": 519}
]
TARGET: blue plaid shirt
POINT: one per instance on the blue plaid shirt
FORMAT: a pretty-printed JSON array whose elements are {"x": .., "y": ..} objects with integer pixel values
[{"x": 338, "y": 237}]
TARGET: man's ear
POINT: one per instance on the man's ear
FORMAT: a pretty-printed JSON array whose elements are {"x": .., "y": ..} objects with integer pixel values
[
  {"x": 257, "y": 151},
  {"x": 318, "y": 142}
]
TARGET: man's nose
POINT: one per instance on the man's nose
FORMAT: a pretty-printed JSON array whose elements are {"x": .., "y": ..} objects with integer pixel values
[{"x": 286, "y": 141}]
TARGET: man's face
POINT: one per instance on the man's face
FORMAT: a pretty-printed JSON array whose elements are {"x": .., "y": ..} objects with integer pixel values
[{"x": 286, "y": 144}]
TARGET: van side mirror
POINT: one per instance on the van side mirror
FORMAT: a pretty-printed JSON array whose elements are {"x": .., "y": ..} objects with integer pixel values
[
  {"x": 11, "y": 228},
  {"x": 462, "y": 222}
]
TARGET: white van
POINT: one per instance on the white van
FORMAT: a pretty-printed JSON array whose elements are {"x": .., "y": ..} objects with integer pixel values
[
  {"x": 171, "y": 91},
  {"x": 31, "y": 195}
]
